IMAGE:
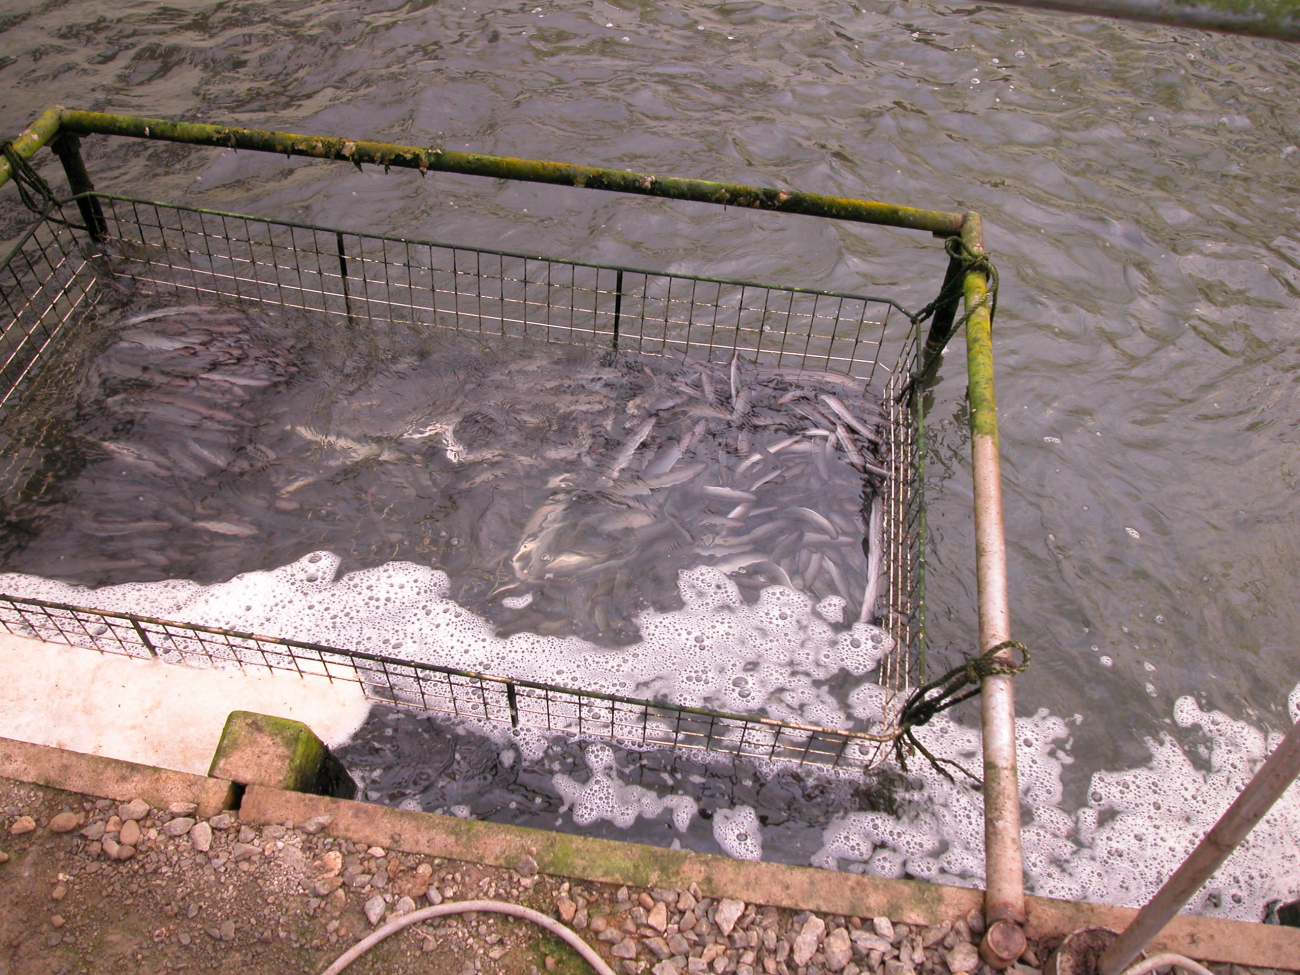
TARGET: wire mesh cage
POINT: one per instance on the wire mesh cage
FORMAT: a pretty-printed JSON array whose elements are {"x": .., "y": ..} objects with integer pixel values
[{"x": 51, "y": 283}]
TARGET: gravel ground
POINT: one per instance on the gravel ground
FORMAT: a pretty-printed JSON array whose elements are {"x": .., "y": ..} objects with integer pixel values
[{"x": 98, "y": 886}]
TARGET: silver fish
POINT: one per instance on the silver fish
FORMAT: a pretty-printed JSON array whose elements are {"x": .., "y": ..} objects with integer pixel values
[{"x": 843, "y": 413}]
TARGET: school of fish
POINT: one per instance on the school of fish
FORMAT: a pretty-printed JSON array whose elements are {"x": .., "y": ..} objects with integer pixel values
[{"x": 562, "y": 488}]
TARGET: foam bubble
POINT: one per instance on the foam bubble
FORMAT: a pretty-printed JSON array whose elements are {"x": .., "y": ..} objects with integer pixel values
[
  {"x": 738, "y": 832},
  {"x": 604, "y": 797}
]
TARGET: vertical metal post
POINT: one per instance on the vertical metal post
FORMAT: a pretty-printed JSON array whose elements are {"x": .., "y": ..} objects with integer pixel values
[
  {"x": 618, "y": 307},
  {"x": 945, "y": 313},
  {"x": 144, "y": 637},
  {"x": 68, "y": 148},
  {"x": 514, "y": 704},
  {"x": 1004, "y": 896},
  {"x": 1255, "y": 800},
  {"x": 343, "y": 277}
]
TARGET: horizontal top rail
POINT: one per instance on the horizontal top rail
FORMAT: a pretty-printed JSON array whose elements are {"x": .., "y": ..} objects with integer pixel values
[
  {"x": 1278, "y": 19},
  {"x": 58, "y": 119}
]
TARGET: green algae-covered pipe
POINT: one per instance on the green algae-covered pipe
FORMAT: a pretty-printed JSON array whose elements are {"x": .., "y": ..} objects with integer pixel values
[
  {"x": 508, "y": 167},
  {"x": 1279, "y": 19}
]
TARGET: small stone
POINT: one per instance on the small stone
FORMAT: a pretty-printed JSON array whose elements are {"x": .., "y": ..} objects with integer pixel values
[
  {"x": 182, "y": 809},
  {"x": 59, "y": 892},
  {"x": 865, "y": 941},
  {"x": 526, "y": 866},
  {"x": 135, "y": 809},
  {"x": 227, "y": 930},
  {"x": 566, "y": 907},
  {"x": 404, "y": 905},
  {"x": 110, "y": 847},
  {"x": 375, "y": 909},
  {"x": 624, "y": 949},
  {"x": 21, "y": 825},
  {"x": 178, "y": 826},
  {"x": 883, "y": 927},
  {"x": 685, "y": 902},
  {"x": 201, "y": 837},
  {"x": 810, "y": 936},
  {"x": 222, "y": 821},
  {"x": 964, "y": 958},
  {"x": 838, "y": 949},
  {"x": 622, "y": 896},
  {"x": 658, "y": 917},
  {"x": 667, "y": 967},
  {"x": 57, "y": 921},
  {"x": 679, "y": 945},
  {"x": 660, "y": 948},
  {"x": 434, "y": 896},
  {"x": 125, "y": 851},
  {"x": 113, "y": 825},
  {"x": 53, "y": 939},
  {"x": 64, "y": 822},
  {"x": 378, "y": 852},
  {"x": 129, "y": 835},
  {"x": 184, "y": 938},
  {"x": 729, "y": 912},
  {"x": 315, "y": 824},
  {"x": 93, "y": 832}
]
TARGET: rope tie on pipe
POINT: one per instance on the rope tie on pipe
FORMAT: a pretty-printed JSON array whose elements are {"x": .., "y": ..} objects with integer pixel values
[
  {"x": 970, "y": 261},
  {"x": 948, "y": 691},
  {"x": 32, "y": 188}
]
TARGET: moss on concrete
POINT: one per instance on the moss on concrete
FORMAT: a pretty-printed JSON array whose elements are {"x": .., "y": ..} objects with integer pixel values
[{"x": 259, "y": 749}]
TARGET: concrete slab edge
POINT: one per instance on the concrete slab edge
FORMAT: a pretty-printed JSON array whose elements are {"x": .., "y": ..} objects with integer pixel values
[
  {"x": 111, "y": 778},
  {"x": 610, "y": 861}
]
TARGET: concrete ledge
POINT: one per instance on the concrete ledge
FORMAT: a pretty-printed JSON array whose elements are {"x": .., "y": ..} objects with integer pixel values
[
  {"x": 111, "y": 778},
  {"x": 797, "y": 888},
  {"x": 609, "y": 861}
]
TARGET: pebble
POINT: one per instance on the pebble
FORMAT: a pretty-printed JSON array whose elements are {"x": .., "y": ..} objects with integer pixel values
[
  {"x": 729, "y": 912},
  {"x": 201, "y": 837},
  {"x": 526, "y": 866},
  {"x": 883, "y": 927},
  {"x": 129, "y": 834},
  {"x": 110, "y": 847},
  {"x": 182, "y": 809},
  {"x": 624, "y": 949},
  {"x": 404, "y": 905},
  {"x": 375, "y": 909},
  {"x": 64, "y": 822},
  {"x": 57, "y": 921},
  {"x": 178, "y": 826},
  {"x": 566, "y": 907},
  {"x": 227, "y": 930},
  {"x": 221, "y": 821},
  {"x": 59, "y": 892},
  {"x": 21, "y": 825},
  {"x": 658, "y": 917},
  {"x": 964, "y": 958},
  {"x": 838, "y": 950},
  {"x": 810, "y": 936},
  {"x": 434, "y": 896},
  {"x": 136, "y": 809}
]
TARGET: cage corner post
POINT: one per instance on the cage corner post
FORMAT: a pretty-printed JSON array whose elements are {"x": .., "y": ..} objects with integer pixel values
[{"x": 1004, "y": 896}]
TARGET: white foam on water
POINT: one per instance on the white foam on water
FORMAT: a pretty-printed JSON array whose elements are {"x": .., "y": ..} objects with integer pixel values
[
  {"x": 604, "y": 797},
  {"x": 738, "y": 832},
  {"x": 776, "y": 655},
  {"x": 718, "y": 651},
  {"x": 1160, "y": 810}
]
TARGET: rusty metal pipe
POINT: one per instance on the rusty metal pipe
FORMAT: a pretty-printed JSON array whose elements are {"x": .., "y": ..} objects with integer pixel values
[
  {"x": 359, "y": 151},
  {"x": 1278, "y": 19},
  {"x": 1004, "y": 891}
]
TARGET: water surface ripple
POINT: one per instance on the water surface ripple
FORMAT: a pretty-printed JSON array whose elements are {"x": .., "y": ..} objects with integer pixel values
[{"x": 1139, "y": 187}]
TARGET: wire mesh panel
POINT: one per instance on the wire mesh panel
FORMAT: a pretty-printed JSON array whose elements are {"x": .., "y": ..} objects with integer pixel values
[
  {"x": 50, "y": 282},
  {"x": 381, "y": 281},
  {"x": 440, "y": 690}
]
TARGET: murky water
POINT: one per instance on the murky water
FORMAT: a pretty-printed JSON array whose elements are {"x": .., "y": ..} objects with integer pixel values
[{"x": 1139, "y": 188}]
